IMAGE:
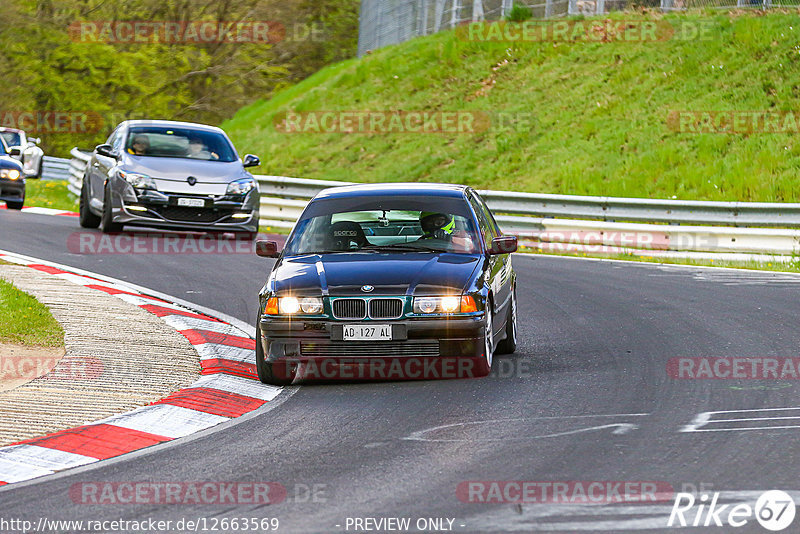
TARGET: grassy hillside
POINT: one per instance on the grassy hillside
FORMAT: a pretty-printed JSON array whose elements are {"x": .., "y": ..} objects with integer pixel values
[{"x": 591, "y": 117}]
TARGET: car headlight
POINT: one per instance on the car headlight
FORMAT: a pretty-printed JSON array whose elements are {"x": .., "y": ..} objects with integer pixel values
[
  {"x": 241, "y": 187},
  {"x": 139, "y": 181},
  {"x": 448, "y": 304},
  {"x": 293, "y": 306},
  {"x": 11, "y": 174}
]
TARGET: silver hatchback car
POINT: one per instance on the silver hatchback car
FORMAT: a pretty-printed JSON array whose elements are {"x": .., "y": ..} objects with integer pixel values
[{"x": 172, "y": 175}]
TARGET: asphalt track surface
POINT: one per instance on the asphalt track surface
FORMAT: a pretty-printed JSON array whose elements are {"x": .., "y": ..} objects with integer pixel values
[{"x": 587, "y": 397}]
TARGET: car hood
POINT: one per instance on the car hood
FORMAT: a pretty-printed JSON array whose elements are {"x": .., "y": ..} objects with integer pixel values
[
  {"x": 8, "y": 162},
  {"x": 171, "y": 174},
  {"x": 390, "y": 274}
]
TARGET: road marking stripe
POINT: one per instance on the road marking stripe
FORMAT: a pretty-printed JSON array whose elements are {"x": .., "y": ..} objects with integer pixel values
[
  {"x": 165, "y": 420},
  {"x": 235, "y": 384}
]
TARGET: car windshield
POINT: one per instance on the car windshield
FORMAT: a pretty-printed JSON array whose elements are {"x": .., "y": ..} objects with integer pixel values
[
  {"x": 396, "y": 224},
  {"x": 164, "y": 142},
  {"x": 11, "y": 138}
]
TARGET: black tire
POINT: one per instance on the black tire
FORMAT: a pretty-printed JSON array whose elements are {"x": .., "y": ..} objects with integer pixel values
[
  {"x": 264, "y": 368},
  {"x": 509, "y": 344},
  {"x": 484, "y": 366},
  {"x": 107, "y": 225},
  {"x": 15, "y": 204},
  {"x": 86, "y": 218}
]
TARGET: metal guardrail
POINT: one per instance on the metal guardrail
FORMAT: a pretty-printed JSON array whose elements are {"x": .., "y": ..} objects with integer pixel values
[
  {"x": 55, "y": 168},
  {"x": 552, "y": 218}
]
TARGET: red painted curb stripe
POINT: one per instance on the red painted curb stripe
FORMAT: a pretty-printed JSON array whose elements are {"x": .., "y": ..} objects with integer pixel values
[
  {"x": 219, "y": 365},
  {"x": 46, "y": 269},
  {"x": 162, "y": 311},
  {"x": 213, "y": 401},
  {"x": 115, "y": 291},
  {"x": 198, "y": 337},
  {"x": 97, "y": 441}
]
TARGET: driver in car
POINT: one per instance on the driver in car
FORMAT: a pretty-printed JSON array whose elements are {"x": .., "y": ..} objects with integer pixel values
[
  {"x": 139, "y": 145},
  {"x": 442, "y": 226}
]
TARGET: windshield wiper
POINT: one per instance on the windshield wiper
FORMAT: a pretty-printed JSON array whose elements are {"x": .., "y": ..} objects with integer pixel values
[{"x": 400, "y": 246}]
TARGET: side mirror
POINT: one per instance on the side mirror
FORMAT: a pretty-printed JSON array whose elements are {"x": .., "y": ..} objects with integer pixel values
[
  {"x": 504, "y": 244},
  {"x": 267, "y": 249},
  {"x": 35, "y": 140},
  {"x": 106, "y": 150},
  {"x": 15, "y": 151},
  {"x": 251, "y": 161}
]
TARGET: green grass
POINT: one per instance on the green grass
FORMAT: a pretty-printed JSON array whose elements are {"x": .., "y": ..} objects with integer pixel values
[
  {"x": 597, "y": 112},
  {"x": 49, "y": 194},
  {"x": 26, "y": 321}
]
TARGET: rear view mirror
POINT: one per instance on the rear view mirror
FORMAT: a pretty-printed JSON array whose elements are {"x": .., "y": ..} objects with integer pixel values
[
  {"x": 267, "y": 249},
  {"x": 504, "y": 244},
  {"x": 251, "y": 161},
  {"x": 105, "y": 150}
]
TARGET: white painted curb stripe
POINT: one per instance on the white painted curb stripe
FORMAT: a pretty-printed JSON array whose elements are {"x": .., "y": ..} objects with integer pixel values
[
  {"x": 165, "y": 420},
  {"x": 210, "y": 351},
  {"x": 12, "y": 471},
  {"x": 181, "y": 322},
  {"x": 27, "y": 461},
  {"x": 241, "y": 386},
  {"x": 43, "y": 457},
  {"x": 45, "y": 211}
]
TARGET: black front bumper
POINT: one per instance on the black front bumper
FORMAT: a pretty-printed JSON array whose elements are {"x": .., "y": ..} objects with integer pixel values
[
  {"x": 420, "y": 348},
  {"x": 13, "y": 190},
  {"x": 161, "y": 210}
]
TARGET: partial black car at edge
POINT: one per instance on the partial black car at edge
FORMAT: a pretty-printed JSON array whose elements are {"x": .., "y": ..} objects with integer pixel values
[
  {"x": 388, "y": 282},
  {"x": 12, "y": 179}
]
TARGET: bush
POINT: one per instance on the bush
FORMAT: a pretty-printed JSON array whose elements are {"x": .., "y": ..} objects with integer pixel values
[{"x": 519, "y": 13}]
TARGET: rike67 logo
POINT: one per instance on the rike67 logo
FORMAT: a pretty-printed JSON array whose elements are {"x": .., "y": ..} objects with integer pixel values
[{"x": 774, "y": 510}]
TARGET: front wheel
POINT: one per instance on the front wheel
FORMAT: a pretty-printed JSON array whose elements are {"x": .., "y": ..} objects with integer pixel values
[
  {"x": 15, "y": 204},
  {"x": 107, "y": 224},
  {"x": 509, "y": 344},
  {"x": 265, "y": 369},
  {"x": 485, "y": 364},
  {"x": 86, "y": 218}
]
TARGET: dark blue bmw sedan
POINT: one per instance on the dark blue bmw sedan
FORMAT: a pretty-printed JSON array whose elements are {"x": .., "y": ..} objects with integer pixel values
[{"x": 388, "y": 282}]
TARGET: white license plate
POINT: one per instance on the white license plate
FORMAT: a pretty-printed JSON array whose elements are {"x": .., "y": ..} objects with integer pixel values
[
  {"x": 364, "y": 332},
  {"x": 191, "y": 202}
]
